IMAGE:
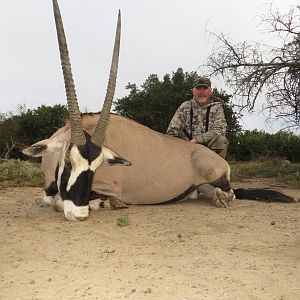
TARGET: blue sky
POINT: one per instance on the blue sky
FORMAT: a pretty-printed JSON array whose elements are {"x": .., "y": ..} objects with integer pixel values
[{"x": 157, "y": 37}]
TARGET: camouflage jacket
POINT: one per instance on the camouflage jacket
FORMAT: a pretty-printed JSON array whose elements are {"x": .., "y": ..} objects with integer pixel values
[{"x": 181, "y": 125}]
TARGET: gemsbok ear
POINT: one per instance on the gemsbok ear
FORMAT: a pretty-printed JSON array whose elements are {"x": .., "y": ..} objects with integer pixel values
[
  {"x": 42, "y": 147},
  {"x": 113, "y": 159}
]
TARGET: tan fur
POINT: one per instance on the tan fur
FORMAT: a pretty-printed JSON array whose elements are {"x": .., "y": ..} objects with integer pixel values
[{"x": 162, "y": 167}]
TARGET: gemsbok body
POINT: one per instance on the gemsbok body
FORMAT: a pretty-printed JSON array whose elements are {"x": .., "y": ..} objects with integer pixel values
[{"x": 111, "y": 157}]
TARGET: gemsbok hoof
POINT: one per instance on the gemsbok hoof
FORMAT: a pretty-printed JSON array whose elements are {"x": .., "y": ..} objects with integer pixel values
[
  {"x": 57, "y": 203},
  {"x": 220, "y": 198}
]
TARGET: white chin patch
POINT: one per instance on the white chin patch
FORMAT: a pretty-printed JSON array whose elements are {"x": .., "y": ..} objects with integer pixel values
[
  {"x": 75, "y": 213},
  {"x": 47, "y": 199}
]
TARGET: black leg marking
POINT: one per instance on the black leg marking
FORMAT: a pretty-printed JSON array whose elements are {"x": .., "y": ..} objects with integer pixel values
[
  {"x": 222, "y": 183},
  {"x": 52, "y": 189},
  {"x": 180, "y": 197}
]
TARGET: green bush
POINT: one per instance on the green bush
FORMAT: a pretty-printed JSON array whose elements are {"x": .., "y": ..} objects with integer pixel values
[
  {"x": 28, "y": 127},
  {"x": 156, "y": 102},
  {"x": 251, "y": 145}
]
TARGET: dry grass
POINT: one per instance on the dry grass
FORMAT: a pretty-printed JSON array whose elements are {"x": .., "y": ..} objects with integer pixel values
[
  {"x": 282, "y": 170},
  {"x": 16, "y": 173}
]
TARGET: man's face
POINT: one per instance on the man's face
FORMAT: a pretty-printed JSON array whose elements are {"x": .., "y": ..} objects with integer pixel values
[{"x": 202, "y": 93}]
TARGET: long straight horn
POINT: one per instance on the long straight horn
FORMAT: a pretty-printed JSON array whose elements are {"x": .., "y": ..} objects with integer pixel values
[
  {"x": 99, "y": 133},
  {"x": 77, "y": 135}
]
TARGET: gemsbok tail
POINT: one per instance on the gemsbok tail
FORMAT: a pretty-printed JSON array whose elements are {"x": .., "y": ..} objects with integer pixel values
[{"x": 263, "y": 194}]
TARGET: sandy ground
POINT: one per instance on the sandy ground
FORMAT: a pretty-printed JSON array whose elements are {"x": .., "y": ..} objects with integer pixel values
[{"x": 182, "y": 251}]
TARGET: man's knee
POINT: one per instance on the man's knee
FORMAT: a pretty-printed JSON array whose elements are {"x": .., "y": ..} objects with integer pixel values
[{"x": 220, "y": 145}]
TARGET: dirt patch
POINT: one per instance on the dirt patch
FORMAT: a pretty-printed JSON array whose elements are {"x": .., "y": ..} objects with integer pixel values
[{"x": 188, "y": 251}]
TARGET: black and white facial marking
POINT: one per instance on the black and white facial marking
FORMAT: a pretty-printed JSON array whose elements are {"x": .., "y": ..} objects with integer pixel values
[
  {"x": 51, "y": 190},
  {"x": 77, "y": 171}
]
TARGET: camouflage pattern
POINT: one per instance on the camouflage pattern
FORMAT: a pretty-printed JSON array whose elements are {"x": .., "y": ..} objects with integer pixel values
[
  {"x": 180, "y": 125},
  {"x": 202, "y": 81}
]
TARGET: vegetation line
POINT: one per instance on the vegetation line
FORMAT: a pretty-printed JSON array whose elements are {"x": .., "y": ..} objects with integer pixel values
[{"x": 18, "y": 173}]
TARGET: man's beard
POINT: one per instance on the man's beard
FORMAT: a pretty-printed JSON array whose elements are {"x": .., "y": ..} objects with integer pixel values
[{"x": 202, "y": 100}]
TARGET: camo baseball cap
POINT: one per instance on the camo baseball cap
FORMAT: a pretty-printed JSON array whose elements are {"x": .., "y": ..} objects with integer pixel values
[{"x": 202, "y": 81}]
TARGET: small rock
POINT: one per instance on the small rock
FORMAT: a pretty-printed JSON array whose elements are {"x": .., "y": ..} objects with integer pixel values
[
  {"x": 133, "y": 290},
  {"x": 147, "y": 291},
  {"x": 32, "y": 281},
  {"x": 273, "y": 223},
  {"x": 110, "y": 251},
  {"x": 49, "y": 279}
]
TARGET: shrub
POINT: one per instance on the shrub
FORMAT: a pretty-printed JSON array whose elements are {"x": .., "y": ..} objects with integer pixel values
[{"x": 251, "y": 145}]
